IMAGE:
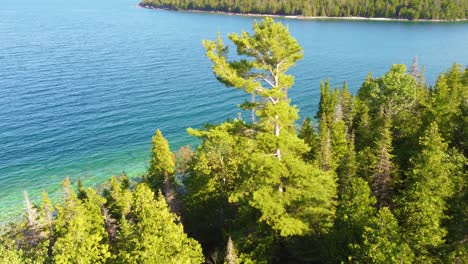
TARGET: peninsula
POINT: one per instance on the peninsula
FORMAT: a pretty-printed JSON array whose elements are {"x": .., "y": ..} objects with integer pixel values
[{"x": 412, "y": 10}]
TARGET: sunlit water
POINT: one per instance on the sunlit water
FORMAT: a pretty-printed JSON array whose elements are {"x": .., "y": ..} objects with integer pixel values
[{"x": 84, "y": 84}]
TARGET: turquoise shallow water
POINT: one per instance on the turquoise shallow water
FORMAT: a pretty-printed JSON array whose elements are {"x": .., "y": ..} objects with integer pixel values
[{"x": 84, "y": 84}]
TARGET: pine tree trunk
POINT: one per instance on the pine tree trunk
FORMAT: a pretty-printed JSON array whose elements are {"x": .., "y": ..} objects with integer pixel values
[
  {"x": 277, "y": 133},
  {"x": 170, "y": 195}
]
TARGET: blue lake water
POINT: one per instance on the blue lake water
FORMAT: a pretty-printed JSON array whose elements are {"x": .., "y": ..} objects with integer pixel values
[{"x": 84, "y": 84}]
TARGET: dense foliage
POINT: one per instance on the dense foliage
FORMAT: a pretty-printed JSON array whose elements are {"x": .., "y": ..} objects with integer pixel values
[
  {"x": 379, "y": 177},
  {"x": 123, "y": 225},
  {"x": 408, "y": 9}
]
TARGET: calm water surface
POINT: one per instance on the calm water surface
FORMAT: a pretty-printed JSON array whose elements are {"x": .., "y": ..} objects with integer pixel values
[{"x": 84, "y": 84}]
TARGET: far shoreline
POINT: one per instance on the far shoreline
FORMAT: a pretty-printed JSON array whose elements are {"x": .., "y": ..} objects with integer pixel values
[{"x": 299, "y": 17}]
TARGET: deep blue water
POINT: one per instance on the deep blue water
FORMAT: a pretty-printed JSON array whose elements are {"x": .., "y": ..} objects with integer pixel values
[{"x": 84, "y": 84}]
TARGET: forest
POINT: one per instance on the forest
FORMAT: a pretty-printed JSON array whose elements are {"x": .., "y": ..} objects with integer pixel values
[
  {"x": 374, "y": 177},
  {"x": 402, "y": 9}
]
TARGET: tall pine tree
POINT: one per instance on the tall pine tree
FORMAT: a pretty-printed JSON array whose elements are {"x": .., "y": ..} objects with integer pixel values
[
  {"x": 422, "y": 206},
  {"x": 161, "y": 165}
]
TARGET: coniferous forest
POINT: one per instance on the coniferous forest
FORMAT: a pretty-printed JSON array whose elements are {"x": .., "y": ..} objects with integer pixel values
[
  {"x": 404, "y": 9},
  {"x": 375, "y": 177}
]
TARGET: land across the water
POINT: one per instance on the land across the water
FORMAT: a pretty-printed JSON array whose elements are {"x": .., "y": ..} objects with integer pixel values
[{"x": 302, "y": 17}]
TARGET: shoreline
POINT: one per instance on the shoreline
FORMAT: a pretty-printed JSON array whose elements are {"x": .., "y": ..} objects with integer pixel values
[{"x": 299, "y": 17}]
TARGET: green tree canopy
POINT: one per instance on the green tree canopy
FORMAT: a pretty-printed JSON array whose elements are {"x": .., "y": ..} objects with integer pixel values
[
  {"x": 150, "y": 233},
  {"x": 422, "y": 206},
  {"x": 161, "y": 165},
  {"x": 273, "y": 178},
  {"x": 80, "y": 230}
]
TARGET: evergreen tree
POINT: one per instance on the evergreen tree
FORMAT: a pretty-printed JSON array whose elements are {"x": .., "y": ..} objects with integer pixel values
[
  {"x": 347, "y": 169},
  {"x": 283, "y": 187},
  {"x": 119, "y": 202},
  {"x": 384, "y": 176},
  {"x": 339, "y": 141},
  {"x": 326, "y": 160},
  {"x": 150, "y": 234},
  {"x": 363, "y": 124},
  {"x": 80, "y": 230},
  {"x": 272, "y": 51},
  {"x": 161, "y": 165},
  {"x": 422, "y": 206},
  {"x": 403, "y": 102},
  {"x": 383, "y": 243},
  {"x": 397, "y": 95},
  {"x": 81, "y": 190},
  {"x": 308, "y": 134},
  {"x": 449, "y": 99},
  {"x": 118, "y": 197},
  {"x": 213, "y": 176},
  {"x": 366, "y": 164},
  {"x": 286, "y": 194},
  {"x": 346, "y": 104},
  {"x": 457, "y": 213},
  {"x": 354, "y": 212},
  {"x": 329, "y": 101}
]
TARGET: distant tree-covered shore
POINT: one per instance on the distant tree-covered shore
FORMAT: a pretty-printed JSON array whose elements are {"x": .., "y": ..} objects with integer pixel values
[{"x": 397, "y": 9}]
